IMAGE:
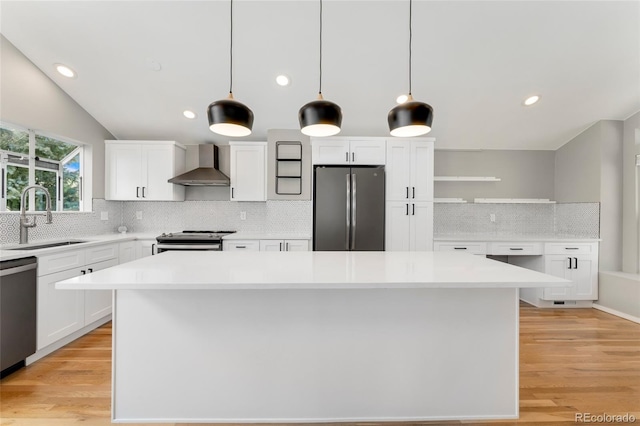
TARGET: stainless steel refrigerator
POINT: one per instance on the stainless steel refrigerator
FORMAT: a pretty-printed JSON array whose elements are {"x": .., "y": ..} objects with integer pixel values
[{"x": 348, "y": 208}]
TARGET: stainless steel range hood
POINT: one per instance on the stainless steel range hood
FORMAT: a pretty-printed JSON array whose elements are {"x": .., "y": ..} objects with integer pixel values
[{"x": 205, "y": 175}]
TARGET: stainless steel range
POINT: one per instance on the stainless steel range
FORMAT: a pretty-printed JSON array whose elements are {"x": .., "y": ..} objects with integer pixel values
[{"x": 191, "y": 240}]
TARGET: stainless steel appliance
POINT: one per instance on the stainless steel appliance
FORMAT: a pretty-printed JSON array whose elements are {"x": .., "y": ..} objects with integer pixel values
[
  {"x": 191, "y": 240},
  {"x": 207, "y": 173},
  {"x": 348, "y": 208},
  {"x": 17, "y": 312}
]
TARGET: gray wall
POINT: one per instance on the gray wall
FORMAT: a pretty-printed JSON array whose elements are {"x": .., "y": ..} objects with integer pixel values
[
  {"x": 631, "y": 147},
  {"x": 589, "y": 169},
  {"x": 32, "y": 100},
  {"x": 524, "y": 174}
]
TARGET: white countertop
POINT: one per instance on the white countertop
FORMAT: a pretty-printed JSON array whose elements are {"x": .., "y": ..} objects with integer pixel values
[
  {"x": 6, "y": 252},
  {"x": 514, "y": 238},
  {"x": 175, "y": 270}
]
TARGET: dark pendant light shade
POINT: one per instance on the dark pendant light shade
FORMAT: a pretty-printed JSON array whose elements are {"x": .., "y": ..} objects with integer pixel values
[
  {"x": 320, "y": 118},
  {"x": 229, "y": 117},
  {"x": 410, "y": 119}
]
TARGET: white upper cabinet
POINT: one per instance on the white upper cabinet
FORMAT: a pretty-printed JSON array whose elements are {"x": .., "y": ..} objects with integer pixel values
[
  {"x": 409, "y": 170},
  {"x": 248, "y": 171},
  {"x": 139, "y": 170},
  {"x": 348, "y": 151}
]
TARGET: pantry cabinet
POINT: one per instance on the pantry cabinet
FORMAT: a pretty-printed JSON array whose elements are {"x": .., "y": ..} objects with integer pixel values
[
  {"x": 348, "y": 151},
  {"x": 140, "y": 170},
  {"x": 409, "y": 226},
  {"x": 409, "y": 170},
  {"x": 248, "y": 171}
]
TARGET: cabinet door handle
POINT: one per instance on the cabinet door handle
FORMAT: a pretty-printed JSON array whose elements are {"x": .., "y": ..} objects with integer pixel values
[
  {"x": 232, "y": 196},
  {"x": 83, "y": 272},
  {"x": 407, "y": 191},
  {"x": 570, "y": 264},
  {"x": 413, "y": 209},
  {"x": 575, "y": 265},
  {"x": 241, "y": 247},
  {"x": 90, "y": 270},
  {"x": 346, "y": 157},
  {"x": 280, "y": 246},
  {"x": 406, "y": 213},
  {"x": 287, "y": 244},
  {"x": 153, "y": 249},
  {"x": 572, "y": 248},
  {"x": 516, "y": 248},
  {"x": 137, "y": 192},
  {"x": 459, "y": 248},
  {"x": 414, "y": 192},
  {"x": 353, "y": 157},
  {"x": 143, "y": 192}
]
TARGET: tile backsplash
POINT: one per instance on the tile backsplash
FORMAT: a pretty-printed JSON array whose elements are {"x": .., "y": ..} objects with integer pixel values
[
  {"x": 581, "y": 220},
  {"x": 572, "y": 219}
]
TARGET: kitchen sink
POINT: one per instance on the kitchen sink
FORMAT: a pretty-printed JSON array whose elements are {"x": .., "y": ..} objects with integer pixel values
[{"x": 48, "y": 245}]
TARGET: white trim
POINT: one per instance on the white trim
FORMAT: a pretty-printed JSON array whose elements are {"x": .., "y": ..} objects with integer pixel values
[{"x": 616, "y": 313}]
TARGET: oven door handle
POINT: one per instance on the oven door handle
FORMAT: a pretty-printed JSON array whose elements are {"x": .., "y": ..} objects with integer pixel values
[{"x": 188, "y": 246}]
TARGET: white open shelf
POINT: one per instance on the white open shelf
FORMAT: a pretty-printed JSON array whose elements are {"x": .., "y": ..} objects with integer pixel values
[
  {"x": 513, "y": 201},
  {"x": 449, "y": 200},
  {"x": 466, "y": 179}
]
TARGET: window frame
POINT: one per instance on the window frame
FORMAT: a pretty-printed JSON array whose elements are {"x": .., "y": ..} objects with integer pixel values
[{"x": 81, "y": 149}]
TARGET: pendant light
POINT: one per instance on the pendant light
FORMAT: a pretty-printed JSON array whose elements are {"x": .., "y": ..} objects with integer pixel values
[
  {"x": 229, "y": 117},
  {"x": 412, "y": 118},
  {"x": 320, "y": 117}
]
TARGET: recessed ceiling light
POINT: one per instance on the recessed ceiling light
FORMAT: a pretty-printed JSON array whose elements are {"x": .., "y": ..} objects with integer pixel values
[
  {"x": 531, "y": 100},
  {"x": 189, "y": 114},
  {"x": 283, "y": 80},
  {"x": 402, "y": 99},
  {"x": 65, "y": 71}
]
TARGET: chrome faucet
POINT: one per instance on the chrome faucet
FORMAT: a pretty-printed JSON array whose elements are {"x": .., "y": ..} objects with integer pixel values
[{"x": 24, "y": 222}]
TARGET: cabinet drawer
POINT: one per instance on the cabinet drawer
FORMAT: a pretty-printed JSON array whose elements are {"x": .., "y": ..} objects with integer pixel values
[
  {"x": 60, "y": 262},
  {"x": 466, "y": 247},
  {"x": 241, "y": 245},
  {"x": 571, "y": 248},
  {"x": 102, "y": 253},
  {"x": 516, "y": 249}
]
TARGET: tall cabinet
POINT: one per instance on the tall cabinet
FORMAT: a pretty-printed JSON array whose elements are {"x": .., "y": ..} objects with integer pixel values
[
  {"x": 139, "y": 170},
  {"x": 409, "y": 194}
]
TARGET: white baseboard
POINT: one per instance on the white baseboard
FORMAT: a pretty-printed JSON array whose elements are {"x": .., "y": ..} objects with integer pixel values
[{"x": 616, "y": 313}]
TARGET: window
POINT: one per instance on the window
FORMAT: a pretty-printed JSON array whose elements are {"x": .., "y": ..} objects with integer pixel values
[{"x": 53, "y": 163}]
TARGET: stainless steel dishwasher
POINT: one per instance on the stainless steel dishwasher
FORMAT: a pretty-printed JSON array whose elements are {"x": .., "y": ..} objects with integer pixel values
[{"x": 18, "y": 295}]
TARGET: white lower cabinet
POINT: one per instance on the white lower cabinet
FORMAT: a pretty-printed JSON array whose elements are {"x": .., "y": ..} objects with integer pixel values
[
  {"x": 63, "y": 312},
  {"x": 145, "y": 248},
  {"x": 582, "y": 270},
  {"x": 472, "y": 247},
  {"x": 241, "y": 245},
  {"x": 409, "y": 226},
  {"x": 284, "y": 245},
  {"x": 127, "y": 252}
]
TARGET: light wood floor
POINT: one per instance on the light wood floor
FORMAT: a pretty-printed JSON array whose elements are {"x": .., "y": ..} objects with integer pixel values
[{"x": 571, "y": 361}]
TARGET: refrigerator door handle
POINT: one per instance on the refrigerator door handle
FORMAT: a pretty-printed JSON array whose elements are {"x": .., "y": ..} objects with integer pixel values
[
  {"x": 348, "y": 176},
  {"x": 353, "y": 212}
]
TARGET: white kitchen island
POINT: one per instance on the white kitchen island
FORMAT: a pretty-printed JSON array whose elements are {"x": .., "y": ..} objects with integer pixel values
[{"x": 314, "y": 336}]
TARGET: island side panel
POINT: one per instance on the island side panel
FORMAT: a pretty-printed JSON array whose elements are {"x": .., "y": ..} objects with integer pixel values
[{"x": 315, "y": 355}]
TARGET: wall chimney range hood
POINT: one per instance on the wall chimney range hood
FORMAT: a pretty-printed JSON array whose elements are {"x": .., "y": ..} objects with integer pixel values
[{"x": 207, "y": 174}]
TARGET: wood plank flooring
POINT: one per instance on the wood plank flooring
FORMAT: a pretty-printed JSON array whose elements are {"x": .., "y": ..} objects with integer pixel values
[{"x": 571, "y": 361}]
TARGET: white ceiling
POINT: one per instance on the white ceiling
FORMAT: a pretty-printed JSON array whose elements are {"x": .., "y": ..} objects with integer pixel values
[{"x": 474, "y": 62}]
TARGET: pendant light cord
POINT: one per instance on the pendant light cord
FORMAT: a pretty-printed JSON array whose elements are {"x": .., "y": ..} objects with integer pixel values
[
  {"x": 410, "y": 41},
  {"x": 320, "y": 87},
  {"x": 231, "y": 50}
]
